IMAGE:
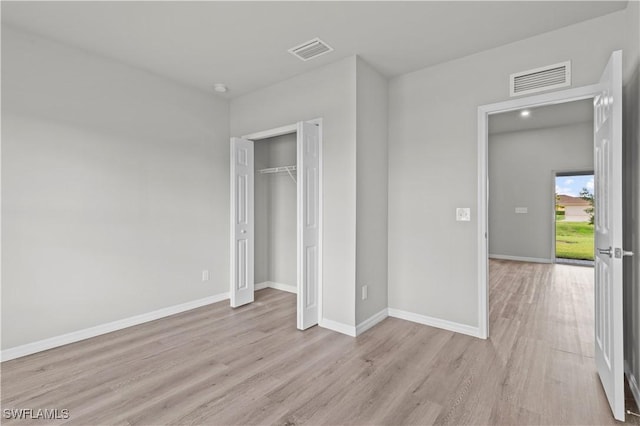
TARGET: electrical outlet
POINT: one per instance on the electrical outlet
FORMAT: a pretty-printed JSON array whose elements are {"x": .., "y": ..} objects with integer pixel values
[
  {"x": 463, "y": 214},
  {"x": 365, "y": 292},
  {"x": 522, "y": 210},
  {"x": 205, "y": 275}
]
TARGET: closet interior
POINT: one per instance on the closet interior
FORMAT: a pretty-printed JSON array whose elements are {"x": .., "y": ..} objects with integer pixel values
[{"x": 275, "y": 210}]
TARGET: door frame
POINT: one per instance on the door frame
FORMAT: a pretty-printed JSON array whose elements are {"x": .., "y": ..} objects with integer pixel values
[
  {"x": 289, "y": 129},
  {"x": 484, "y": 111},
  {"x": 555, "y": 174}
]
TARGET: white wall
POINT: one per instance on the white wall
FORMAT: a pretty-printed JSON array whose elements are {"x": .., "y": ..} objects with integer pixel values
[
  {"x": 372, "y": 193},
  {"x": 521, "y": 166},
  {"x": 114, "y": 191},
  {"x": 433, "y": 159},
  {"x": 330, "y": 93},
  {"x": 262, "y": 186},
  {"x": 631, "y": 179},
  {"x": 275, "y": 212}
]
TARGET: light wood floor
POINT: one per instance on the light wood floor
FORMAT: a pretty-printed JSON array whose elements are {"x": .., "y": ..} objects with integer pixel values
[{"x": 215, "y": 365}]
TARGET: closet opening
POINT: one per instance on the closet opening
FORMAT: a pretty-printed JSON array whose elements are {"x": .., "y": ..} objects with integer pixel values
[{"x": 276, "y": 216}]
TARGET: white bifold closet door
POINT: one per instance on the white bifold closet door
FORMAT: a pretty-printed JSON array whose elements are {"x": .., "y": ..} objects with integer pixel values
[
  {"x": 308, "y": 223},
  {"x": 242, "y": 222}
]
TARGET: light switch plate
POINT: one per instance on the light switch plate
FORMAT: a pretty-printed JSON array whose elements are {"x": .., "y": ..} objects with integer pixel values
[
  {"x": 463, "y": 214},
  {"x": 522, "y": 210}
]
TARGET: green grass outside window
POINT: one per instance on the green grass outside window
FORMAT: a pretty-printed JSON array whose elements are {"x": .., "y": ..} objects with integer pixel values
[{"x": 574, "y": 240}]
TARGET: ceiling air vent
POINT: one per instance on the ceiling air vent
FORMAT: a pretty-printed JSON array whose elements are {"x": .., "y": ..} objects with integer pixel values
[
  {"x": 310, "y": 49},
  {"x": 540, "y": 79}
]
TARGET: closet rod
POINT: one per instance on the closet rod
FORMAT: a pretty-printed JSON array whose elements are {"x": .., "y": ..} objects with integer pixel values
[{"x": 281, "y": 169}]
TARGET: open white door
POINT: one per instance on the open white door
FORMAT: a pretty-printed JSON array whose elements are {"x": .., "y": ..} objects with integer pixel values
[
  {"x": 608, "y": 234},
  {"x": 308, "y": 223},
  {"x": 242, "y": 235}
]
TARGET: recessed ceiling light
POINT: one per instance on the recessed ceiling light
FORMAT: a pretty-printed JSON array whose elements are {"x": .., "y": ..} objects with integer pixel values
[
  {"x": 219, "y": 87},
  {"x": 525, "y": 113}
]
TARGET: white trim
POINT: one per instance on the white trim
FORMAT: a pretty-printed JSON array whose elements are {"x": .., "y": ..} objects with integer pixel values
[
  {"x": 278, "y": 286},
  {"x": 261, "y": 286},
  {"x": 633, "y": 383},
  {"x": 435, "y": 322},
  {"x": 284, "y": 287},
  {"x": 483, "y": 223},
  {"x": 371, "y": 321},
  {"x": 552, "y": 98},
  {"x": 554, "y": 232},
  {"x": 272, "y": 133},
  {"x": 319, "y": 123},
  {"x": 339, "y": 327},
  {"x": 76, "y": 336},
  {"x": 232, "y": 220},
  {"x": 520, "y": 258}
]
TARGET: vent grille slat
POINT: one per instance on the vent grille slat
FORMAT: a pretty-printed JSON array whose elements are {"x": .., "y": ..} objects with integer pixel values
[
  {"x": 540, "y": 79},
  {"x": 310, "y": 49},
  {"x": 539, "y": 83}
]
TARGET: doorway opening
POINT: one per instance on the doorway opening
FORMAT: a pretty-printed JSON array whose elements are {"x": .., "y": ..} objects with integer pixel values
[
  {"x": 526, "y": 287},
  {"x": 607, "y": 160},
  {"x": 574, "y": 233}
]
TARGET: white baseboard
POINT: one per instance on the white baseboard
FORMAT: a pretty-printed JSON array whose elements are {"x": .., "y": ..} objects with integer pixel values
[
  {"x": 633, "y": 383},
  {"x": 520, "y": 258},
  {"x": 278, "y": 286},
  {"x": 365, "y": 325},
  {"x": 75, "y": 336},
  {"x": 371, "y": 321},
  {"x": 261, "y": 286},
  {"x": 349, "y": 330},
  {"x": 435, "y": 322},
  {"x": 284, "y": 287}
]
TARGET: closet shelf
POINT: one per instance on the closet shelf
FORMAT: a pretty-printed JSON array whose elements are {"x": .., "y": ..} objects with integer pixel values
[
  {"x": 281, "y": 169},
  {"x": 278, "y": 169}
]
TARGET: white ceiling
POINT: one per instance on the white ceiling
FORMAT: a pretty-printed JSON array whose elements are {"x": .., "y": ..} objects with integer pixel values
[
  {"x": 244, "y": 44},
  {"x": 543, "y": 117}
]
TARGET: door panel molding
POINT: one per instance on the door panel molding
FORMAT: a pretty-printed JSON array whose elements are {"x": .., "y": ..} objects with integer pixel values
[
  {"x": 309, "y": 197},
  {"x": 242, "y": 222},
  {"x": 609, "y": 351}
]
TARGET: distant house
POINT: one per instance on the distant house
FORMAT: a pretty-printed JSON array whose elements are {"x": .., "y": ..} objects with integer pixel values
[{"x": 574, "y": 208}]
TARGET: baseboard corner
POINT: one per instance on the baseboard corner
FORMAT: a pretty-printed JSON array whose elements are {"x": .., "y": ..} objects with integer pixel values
[
  {"x": 372, "y": 321},
  {"x": 436, "y": 322},
  {"x": 278, "y": 286},
  {"x": 339, "y": 327}
]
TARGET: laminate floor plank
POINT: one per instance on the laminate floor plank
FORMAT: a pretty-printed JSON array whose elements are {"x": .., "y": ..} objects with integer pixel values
[{"x": 220, "y": 366}]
